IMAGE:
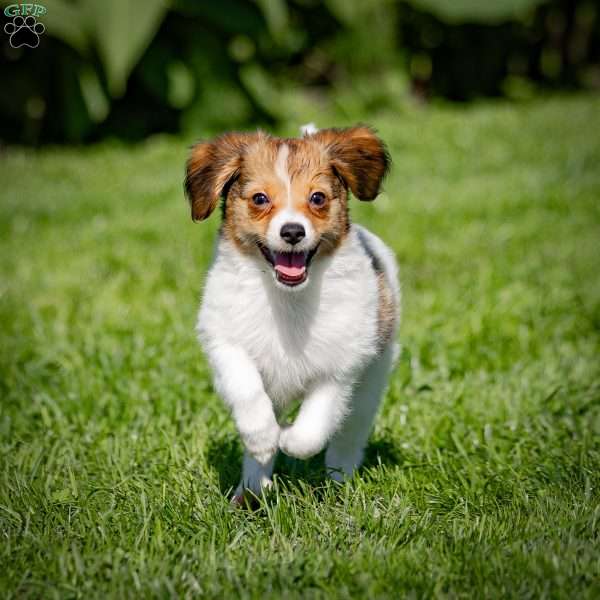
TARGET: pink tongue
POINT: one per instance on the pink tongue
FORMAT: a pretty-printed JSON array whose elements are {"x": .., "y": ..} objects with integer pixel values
[{"x": 290, "y": 264}]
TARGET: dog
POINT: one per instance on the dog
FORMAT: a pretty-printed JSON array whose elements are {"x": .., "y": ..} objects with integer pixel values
[{"x": 299, "y": 303}]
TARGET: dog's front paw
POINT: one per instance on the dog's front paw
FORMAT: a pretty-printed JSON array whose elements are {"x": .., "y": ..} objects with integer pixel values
[
  {"x": 249, "y": 488},
  {"x": 262, "y": 443},
  {"x": 299, "y": 443}
]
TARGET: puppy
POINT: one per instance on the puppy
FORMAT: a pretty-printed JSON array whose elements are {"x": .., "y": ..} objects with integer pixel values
[{"x": 299, "y": 303}]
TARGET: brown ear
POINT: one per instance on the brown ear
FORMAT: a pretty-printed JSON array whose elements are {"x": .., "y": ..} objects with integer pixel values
[
  {"x": 359, "y": 157},
  {"x": 211, "y": 168}
]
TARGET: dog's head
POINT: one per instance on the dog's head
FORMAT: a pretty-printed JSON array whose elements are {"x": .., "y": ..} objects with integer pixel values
[{"x": 285, "y": 200}]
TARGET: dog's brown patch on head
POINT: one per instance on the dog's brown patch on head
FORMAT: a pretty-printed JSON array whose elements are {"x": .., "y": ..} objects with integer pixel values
[
  {"x": 244, "y": 222},
  {"x": 310, "y": 171}
]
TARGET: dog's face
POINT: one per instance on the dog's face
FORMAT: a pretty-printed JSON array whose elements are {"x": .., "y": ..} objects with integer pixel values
[{"x": 286, "y": 200}]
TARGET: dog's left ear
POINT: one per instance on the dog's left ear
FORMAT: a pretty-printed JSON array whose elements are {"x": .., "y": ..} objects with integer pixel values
[
  {"x": 359, "y": 157},
  {"x": 210, "y": 170}
]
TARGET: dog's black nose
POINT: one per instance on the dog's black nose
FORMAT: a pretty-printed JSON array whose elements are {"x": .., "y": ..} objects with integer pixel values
[{"x": 292, "y": 233}]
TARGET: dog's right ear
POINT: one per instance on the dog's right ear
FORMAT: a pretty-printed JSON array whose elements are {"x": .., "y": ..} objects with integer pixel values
[{"x": 211, "y": 168}]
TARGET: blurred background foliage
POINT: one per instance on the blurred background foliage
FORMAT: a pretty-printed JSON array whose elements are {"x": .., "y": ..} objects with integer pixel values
[{"x": 131, "y": 68}]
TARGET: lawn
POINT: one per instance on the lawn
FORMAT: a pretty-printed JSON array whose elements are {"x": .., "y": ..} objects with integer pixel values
[{"x": 483, "y": 471}]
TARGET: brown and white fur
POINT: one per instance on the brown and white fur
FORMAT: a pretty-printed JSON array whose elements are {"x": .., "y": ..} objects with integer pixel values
[{"x": 299, "y": 303}]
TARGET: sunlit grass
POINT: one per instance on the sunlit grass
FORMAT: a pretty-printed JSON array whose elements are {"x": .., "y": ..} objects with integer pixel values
[{"x": 482, "y": 475}]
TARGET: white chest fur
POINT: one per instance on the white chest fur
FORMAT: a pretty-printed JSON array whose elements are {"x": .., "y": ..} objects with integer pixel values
[{"x": 325, "y": 330}]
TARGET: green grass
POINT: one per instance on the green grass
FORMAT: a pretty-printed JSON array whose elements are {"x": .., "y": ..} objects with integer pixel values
[{"x": 482, "y": 475}]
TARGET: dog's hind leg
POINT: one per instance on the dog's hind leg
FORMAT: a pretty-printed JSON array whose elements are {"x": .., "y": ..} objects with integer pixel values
[{"x": 345, "y": 451}]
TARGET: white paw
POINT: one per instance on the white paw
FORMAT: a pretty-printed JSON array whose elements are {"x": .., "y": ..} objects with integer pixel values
[
  {"x": 262, "y": 443},
  {"x": 256, "y": 485},
  {"x": 299, "y": 443}
]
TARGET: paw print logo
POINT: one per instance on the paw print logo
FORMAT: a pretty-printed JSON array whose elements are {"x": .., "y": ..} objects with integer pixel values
[{"x": 24, "y": 31}]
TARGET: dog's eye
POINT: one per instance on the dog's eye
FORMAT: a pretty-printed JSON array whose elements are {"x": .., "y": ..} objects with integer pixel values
[
  {"x": 260, "y": 199},
  {"x": 317, "y": 199}
]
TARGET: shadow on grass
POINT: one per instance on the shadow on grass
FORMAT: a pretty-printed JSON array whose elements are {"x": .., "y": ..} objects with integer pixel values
[
  {"x": 224, "y": 455},
  {"x": 381, "y": 451}
]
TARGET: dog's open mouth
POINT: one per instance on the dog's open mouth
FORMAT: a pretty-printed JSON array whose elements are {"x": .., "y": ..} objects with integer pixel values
[{"x": 291, "y": 268}]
